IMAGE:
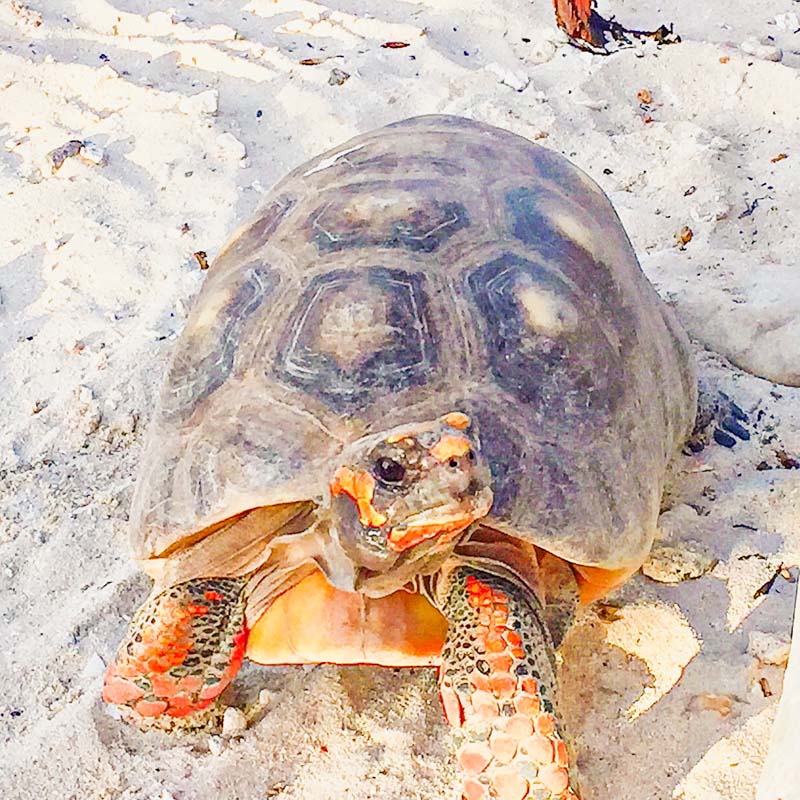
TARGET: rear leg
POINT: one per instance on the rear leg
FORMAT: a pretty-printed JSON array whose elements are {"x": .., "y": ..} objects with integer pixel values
[
  {"x": 183, "y": 647},
  {"x": 498, "y": 688}
]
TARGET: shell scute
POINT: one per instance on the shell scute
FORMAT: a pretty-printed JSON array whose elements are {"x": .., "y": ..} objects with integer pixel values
[
  {"x": 204, "y": 359},
  {"x": 402, "y": 214},
  {"x": 354, "y": 335}
]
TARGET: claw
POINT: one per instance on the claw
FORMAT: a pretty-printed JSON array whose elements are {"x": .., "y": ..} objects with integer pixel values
[{"x": 732, "y": 426}]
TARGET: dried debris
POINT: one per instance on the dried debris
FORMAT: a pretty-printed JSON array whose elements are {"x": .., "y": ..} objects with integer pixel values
[
  {"x": 395, "y": 45},
  {"x": 337, "y": 77},
  {"x": 202, "y": 259},
  {"x": 719, "y": 703},
  {"x": 778, "y": 158},
  {"x": 684, "y": 236},
  {"x": 87, "y": 151}
]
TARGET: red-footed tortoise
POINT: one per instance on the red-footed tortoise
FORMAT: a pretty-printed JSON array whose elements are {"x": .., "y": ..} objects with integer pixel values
[{"x": 427, "y": 397}]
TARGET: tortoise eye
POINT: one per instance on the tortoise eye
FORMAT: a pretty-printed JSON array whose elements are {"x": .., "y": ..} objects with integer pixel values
[{"x": 387, "y": 470}]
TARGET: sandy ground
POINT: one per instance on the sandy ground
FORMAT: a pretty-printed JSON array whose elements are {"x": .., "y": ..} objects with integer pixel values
[{"x": 668, "y": 687}]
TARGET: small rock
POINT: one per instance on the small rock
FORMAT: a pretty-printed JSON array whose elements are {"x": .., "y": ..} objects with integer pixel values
[
  {"x": 95, "y": 667},
  {"x": 56, "y": 158},
  {"x": 338, "y": 77},
  {"x": 231, "y": 146},
  {"x": 721, "y": 703},
  {"x": 671, "y": 564},
  {"x": 788, "y": 21},
  {"x": 92, "y": 153},
  {"x": 85, "y": 395},
  {"x": 165, "y": 795},
  {"x": 234, "y": 722},
  {"x": 264, "y": 697},
  {"x": 112, "y": 711},
  {"x": 769, "y": 648},
  {"x": 215, "y": 745},
  {"x": 516, "y": 80},
  {"x": 202, "y": 103},
  {"x": 766, "y": 52}
]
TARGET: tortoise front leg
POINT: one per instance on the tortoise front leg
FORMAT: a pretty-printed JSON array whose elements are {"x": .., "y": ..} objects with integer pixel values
[
  {"x": 183, "y": 647},
  {"x": 498, "y": 687}
]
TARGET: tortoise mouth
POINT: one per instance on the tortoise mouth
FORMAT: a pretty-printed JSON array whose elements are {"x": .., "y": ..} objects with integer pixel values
[{"x": 441, "y": 522}]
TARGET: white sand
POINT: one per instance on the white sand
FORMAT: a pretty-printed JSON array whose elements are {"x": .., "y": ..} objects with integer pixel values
[{"x": 97, "y": 276}]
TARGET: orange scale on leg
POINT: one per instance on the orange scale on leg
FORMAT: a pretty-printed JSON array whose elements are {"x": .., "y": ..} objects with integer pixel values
[
  {"x": 474, "y": 790},
  {"x": 530, "y": 686},
  {"x": 554, "y": 778},
  {"x": 502, "y": 685},
  {"x": 527, "y": 704},
  {"x": 539, "y": 748},
  {"x": 484, "y": 705},
  {"x": 190, "y": 684},
  {"x": 150, "y": 708},
  {"x": 120, "y": 690},
  {"x": 500, "y": 662},
  {"x": 519, "y": 726},
  {"x": 453, "y": 710},
  {"x": 545, "y": 724},
  {"x": 509, "y": 784},
  {"x": 164, "y": 686},
  {"x": 494, "y": 644},
  {"x": 479, "y": 681},
  {"x": 514, "y": 639},
  {"x": 474, "y": 758},
  {"x": 503, "y": 746},
  {"x": 562, "y": 758},
  {"x": 517, "y": 652}
]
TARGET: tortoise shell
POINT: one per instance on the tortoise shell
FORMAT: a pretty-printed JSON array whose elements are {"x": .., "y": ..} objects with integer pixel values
[{"x": 433, "y": 265}]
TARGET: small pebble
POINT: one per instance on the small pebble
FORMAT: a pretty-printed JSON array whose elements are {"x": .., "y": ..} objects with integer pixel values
[
  {"x": 769, "y": 648},
  {"x": 515, "y": 80},
  {"x": 92, "y": 153},
  {"x": 215, "y": 745},
  {"x": 264, "y": 697},
  {"x": 231, "y": 146},
  {"x": 202, "y": 103},
  {"x": 234, "y": 722},
  {"x": 674, "y": 564},
  {"x": 85, "y": 395},
  {"x": 788, "y": 21},
  {"x": 766, "y": 52},
  {"x": 95, "y": 667},
  {"x": 338, "y": 77}
]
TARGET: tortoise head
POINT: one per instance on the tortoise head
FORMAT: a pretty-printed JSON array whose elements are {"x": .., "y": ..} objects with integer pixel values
[{"x": 405, "y": 495}]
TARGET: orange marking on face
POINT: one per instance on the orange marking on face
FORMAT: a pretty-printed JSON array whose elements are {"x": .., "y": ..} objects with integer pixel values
[
  {"x": 457, "y": 420},
  {"x": 450, "y": 446},
  {"x": 400, "y": 540},
  {"x": 360, "y": 488},
  {"x": 213, "y": 596},
  {"x": 397, "y": 437}
]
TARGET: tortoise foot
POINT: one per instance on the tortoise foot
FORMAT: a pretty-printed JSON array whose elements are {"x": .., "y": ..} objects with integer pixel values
[
  {"x": 183, "y": 647},
  {"x": 718, "y": 418},
  {"x": 498, "y": 686},
  {"x": 587, "y": 30}
]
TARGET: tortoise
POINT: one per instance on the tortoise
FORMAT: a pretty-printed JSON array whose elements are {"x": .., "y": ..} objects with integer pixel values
[{"x": 428, "y": 396}]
